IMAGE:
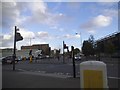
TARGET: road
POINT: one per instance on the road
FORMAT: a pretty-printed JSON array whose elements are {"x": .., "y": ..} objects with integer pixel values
[
  {"x": 20, "y": 79},
  {"x": 0, "y": 75},
  {"x": 57, "y": 69}
]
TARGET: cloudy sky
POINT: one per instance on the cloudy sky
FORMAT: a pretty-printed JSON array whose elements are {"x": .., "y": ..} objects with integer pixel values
[{"x": 52, "y": 22}]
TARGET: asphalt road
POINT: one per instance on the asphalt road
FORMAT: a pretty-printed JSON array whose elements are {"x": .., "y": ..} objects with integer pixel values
[
  {"x": 58, "y": 67},
  {"x": 18, "y": 79},
  {"x": 54, "y": 69},
  {"x": 0, "y": 75}
]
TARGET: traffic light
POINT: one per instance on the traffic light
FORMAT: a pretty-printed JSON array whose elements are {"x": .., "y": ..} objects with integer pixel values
[
  {"x": 18, "y": 36},
  {"x": 65, "y": 46}
]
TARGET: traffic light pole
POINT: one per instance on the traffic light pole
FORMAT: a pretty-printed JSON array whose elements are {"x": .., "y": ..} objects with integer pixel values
[
  {"x": 17, "y": 37},
  {"x": 63, "y": 53},
  {"x": 74, "y": 70},
  {"x": 14, "y": 53}
]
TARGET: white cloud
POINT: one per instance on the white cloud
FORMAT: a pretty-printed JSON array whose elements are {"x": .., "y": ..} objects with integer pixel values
[
  {"x": 7, "y": 37},
  {"x": 9, "y": 13},
  {"x": 43, "y": 34},
  {"x": 68, "y": 36},
  {"x": 77, "y": 36},
  {"x": 39, "y": 13},
  {"x": 6, "y": 40},
  {"x": 57, "y": 28},
  {"x": 37, "y": 6},
  {"x": 39, "y": 38},
  {"x": 102, "y": 21},
  {"x": 42, "y": 15},
  {"x": 97, "y": 22},
  {"x": 26, "y": 33}
]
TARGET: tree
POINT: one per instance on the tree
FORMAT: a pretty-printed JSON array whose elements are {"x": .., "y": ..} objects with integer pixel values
[
  {"x": 109, "y": 48},
  {"x": 76, "y": 51},
  {"x": 91, "y": 39},
  {"x": 87, "y": 48}
]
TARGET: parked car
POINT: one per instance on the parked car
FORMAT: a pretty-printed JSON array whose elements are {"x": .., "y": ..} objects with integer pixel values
[
  {"x": 77, "y": 57},
  {"x": 8, "y": 60},
  {"x": 1, "y": 59}
]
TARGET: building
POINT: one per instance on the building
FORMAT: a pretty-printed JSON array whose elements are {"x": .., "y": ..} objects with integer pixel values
[
  {"x": 44, "y": 47},
  {"x": 6, "y": 52},
  {"x": 113, "y": 38}
]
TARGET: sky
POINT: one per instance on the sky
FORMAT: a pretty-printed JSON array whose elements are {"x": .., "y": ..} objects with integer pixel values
[{"x": 41, "y": 22}]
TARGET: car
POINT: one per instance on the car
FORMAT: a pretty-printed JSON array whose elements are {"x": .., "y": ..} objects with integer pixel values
[
  {"x": 8, "y": 60},
  {"x": 19, "y": 58},
  {"x": 77, "y": 58},
  {"x": 1, "y": 58}
]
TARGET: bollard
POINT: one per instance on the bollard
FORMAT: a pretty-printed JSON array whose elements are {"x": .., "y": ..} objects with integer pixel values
[
  {"x": 30, "y": 59},
  {"x": 24, "y": 58},
  {"x": 93, "y": 74}
]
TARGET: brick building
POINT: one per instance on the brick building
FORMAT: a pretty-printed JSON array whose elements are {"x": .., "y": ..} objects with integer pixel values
[{"x": 44, "y": 47}]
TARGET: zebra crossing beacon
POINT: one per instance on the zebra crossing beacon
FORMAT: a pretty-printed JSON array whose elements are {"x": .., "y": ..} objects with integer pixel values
[{"x": 93, "y": 74}]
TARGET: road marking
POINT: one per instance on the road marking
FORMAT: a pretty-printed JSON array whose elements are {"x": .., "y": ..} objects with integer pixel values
[
  {"x": 60, "y": 74},
  {"x": 114, "y": 77}
]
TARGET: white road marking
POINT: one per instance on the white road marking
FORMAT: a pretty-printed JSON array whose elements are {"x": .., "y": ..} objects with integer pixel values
[
  {"x": 114, "y": 77},
  {"x": 60, "y": 74}
]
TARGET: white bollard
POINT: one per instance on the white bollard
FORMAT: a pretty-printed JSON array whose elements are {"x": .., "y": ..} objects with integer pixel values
[{"x": 93, "y": 74}]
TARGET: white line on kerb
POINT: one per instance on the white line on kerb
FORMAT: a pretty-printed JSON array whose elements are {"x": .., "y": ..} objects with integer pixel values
[{"x": 114, "y": 77}]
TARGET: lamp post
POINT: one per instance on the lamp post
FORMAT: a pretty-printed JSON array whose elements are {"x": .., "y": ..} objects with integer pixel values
[
  {"x": 80, "y": 38},
  {"x": 31, "y": 40}
]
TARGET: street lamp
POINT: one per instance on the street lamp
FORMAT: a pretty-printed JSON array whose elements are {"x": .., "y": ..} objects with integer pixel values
[
  {"x": 31, "y": 40},
  {"x": 80, "y": 38}
]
